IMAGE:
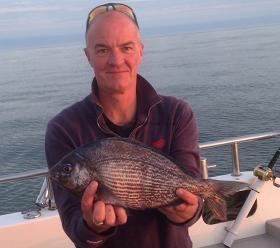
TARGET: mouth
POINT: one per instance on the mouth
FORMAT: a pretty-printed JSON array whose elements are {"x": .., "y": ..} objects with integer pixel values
[
  {"x": 116, "y": 72},
  {"x": 54, "y": 178}
]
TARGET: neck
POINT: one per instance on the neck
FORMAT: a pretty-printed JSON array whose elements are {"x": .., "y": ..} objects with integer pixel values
[{"x": 119, "y": 108}]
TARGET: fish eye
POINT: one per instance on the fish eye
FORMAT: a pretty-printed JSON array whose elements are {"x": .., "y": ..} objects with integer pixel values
[{"x": 67, "y": 168}]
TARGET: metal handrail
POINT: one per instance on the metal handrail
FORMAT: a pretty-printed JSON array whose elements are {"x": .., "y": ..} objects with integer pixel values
[
  {"x": 240, "y": 139},
  {"x": 23, "y": 175},
  {"x": 234, "y": 142}
]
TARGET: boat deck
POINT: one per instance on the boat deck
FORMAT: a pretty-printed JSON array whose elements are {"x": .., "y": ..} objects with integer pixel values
[
  {"x": 269, "y": 240},
  {"x": 264, "y": 240}
]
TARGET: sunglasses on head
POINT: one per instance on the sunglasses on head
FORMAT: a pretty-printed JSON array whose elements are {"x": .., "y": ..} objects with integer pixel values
[{"x": 108, "y": 7}]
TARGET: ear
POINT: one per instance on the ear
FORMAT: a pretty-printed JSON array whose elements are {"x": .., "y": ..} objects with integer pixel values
[
  {"x": 141, "y": 49},
  {"x": 87, "y": 54},
  {"x": 141, "y": 52}
]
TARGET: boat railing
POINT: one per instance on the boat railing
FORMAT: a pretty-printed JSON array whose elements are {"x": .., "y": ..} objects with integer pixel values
[
  {"x": 234, "y": 144},
  {"x": 45, "y": 197}
]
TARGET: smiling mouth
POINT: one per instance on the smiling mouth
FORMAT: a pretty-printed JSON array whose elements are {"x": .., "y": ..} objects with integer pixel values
[{"x": 115, "y": 72}]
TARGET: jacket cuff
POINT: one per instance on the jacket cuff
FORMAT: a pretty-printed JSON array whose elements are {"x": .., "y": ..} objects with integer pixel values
[{"x": 92, "y": 238}]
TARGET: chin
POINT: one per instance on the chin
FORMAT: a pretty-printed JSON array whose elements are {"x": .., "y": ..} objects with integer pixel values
[
  {"x": 118, "y": 89},
  {"x": 119, "y": 85}
]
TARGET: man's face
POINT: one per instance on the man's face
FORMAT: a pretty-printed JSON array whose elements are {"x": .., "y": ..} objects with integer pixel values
[{"x": 114, "y": 51}]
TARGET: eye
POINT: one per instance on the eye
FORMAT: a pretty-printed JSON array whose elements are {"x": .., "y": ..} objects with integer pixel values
[
  {"x": 102, "y": 51},
  {"x": 67, "y": 168},
  {"x": 127, "y": 49}
]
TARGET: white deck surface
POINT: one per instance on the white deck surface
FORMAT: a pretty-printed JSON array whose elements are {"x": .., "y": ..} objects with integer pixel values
[
  {"x": 269, "y": 240},
  {"x": 43, "y": 232},
  {"x": 260, "y": 241}
]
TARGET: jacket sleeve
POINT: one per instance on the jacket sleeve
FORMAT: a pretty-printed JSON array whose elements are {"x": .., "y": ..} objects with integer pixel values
[
  {"x": 185, "y": 148},
  {"x": 58, "y": 143}
]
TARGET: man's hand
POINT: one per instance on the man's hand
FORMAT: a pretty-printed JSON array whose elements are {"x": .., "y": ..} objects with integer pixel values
[
  {"x": 100, "y": 216},
  {"x": 184, "y": 211}
]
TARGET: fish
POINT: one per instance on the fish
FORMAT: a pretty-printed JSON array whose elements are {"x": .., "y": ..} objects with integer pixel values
[{"x": 135, "y": 176}]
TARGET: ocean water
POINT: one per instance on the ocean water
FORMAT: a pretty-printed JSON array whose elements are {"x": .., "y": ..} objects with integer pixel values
[{"x": 230, "y": 77}]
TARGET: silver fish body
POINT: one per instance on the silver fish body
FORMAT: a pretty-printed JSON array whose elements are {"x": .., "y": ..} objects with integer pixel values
[{"x": 135, "y": 176}]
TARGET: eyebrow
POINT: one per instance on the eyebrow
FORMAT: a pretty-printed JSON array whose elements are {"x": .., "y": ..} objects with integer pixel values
[
  {"x": 128, "y": 43},
  {"x": 100, "y": 45}
]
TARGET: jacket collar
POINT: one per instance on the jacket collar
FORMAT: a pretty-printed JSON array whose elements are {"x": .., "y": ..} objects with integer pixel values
[{"x": 147, "y": 97}]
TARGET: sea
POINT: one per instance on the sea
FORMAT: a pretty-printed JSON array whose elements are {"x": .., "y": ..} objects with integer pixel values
[{"x": 231, "y": 78}]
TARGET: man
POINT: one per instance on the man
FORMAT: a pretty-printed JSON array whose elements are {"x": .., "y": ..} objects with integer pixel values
[{"x": 122, "y": 103}]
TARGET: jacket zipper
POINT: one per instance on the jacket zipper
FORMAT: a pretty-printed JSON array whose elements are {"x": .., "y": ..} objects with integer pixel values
[{"x": 144, "y": 122}]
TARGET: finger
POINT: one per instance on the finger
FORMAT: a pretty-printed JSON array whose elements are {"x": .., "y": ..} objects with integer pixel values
[
  {"x": 181, "y": 207},
  {"x": 177, "y": 208},
  {"x": 99, "y": 212},
  {"x": 187, "y": 196},
  {"x": 166, "y": 210},
  {"x": 87, "y": 200},
  {"x": 121, "y": 215},
  {"x": 110, "y": 217},
  {"x": 89, "y": 193}
]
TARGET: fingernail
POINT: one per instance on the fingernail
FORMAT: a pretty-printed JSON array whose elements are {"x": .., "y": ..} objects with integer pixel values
[{"x": 94, "y": 184}]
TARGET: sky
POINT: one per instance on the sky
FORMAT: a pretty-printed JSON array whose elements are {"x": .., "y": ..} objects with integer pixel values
[{"x": 24, "y": 20}]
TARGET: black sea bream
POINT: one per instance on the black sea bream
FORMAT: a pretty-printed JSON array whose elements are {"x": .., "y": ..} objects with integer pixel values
[{"x": 135, "y": 176}]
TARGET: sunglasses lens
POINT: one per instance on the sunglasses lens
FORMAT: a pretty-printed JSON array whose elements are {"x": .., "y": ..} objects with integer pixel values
[
  {"x": 126, "y": 10},
  {"x": 106, "y": 7},
  {"x": 95, "y": 12}
]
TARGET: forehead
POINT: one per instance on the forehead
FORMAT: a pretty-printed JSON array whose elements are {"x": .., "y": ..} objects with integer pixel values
[{"x": 113, "y": 27}]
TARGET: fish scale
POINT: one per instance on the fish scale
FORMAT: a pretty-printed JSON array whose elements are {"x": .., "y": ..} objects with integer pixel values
[
  {"x": 133, "y": 168},
  {"x": 154, "y": 188}
]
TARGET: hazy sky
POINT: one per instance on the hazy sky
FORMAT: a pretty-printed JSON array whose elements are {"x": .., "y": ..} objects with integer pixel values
[{"x": 37, "y": 18}]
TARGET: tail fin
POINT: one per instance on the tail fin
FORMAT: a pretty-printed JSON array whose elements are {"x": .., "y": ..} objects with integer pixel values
[
  {"x": 220, "y": 190},
  {"x": 218, "y": 206}
]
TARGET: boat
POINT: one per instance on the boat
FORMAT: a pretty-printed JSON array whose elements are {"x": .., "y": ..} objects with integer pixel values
[{"x": 254, "y": 223}]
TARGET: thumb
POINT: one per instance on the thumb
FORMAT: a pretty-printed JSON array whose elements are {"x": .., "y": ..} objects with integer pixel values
[
  {"x": 89, "y": 195},
  {"x": 187, "y": 196}
]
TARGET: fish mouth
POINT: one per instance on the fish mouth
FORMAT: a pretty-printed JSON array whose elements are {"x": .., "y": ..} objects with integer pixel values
[
  {"x": 50, "y": 176},
  {"x": 56, "y": 177},
  {"x": 53, "y": 177}
]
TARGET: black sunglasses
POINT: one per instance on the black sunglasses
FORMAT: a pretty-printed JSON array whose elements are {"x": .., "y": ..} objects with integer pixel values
[{"x": 108, "y": 7}]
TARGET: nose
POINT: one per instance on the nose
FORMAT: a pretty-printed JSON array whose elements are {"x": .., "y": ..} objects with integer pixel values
[{"x": 115, "y": 58}]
